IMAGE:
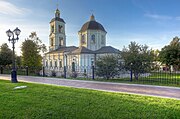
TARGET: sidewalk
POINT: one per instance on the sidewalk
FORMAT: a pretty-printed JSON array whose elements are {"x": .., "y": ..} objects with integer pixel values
[{"x": 159, "y": 91}]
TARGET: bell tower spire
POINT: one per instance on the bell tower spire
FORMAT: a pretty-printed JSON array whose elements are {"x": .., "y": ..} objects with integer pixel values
[
  {"x": 92, "y": 18},
  {"x": 57, "y": 4},
  {"x": 57, "y": 12},
  {"x": 57, "y": 37}
]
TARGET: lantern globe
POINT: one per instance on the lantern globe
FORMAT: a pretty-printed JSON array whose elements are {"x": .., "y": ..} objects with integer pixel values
[
  {"x": 17, "y": 31},
  {"x": 9, "y": 33}
]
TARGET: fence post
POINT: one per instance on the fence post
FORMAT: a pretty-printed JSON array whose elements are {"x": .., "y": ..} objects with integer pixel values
[
  {"x": 27, "y": 71},
  {"x": 64, "y": 71},
  {"x": 1, "y": 70},
  {"x": 93, "y": 72},
  {"x": 43, "y": 71}
]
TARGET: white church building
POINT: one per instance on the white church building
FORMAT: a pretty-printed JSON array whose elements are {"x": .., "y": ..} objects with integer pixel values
[{"x": 92, "y": 44}]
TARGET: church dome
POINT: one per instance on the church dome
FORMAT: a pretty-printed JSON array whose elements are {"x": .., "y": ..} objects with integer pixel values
[
  {"x": 92, "y": 25},
  {"x": 57, "y": 19}
]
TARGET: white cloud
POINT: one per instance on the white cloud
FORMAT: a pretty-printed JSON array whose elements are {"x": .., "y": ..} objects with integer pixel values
[
  {"x": 157, "y": 16},
  {"x": 8, "y": 8}
]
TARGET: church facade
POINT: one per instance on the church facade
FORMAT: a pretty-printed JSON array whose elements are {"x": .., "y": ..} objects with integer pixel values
[{"x": 92, "y": 45}]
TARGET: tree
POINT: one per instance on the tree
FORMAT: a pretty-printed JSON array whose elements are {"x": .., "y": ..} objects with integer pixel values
[
  {"x": 5, "y": 55},
  {"x": 41, "y": 47},
  {"x": 107, "y": 66},
  {"x": 18, "y": 60},
  {"x": 156, "y": 61},
  {"x": 137, "y": 58},
  {"x": 31, "y": 49},
  {"x": 170, "y": 54}
]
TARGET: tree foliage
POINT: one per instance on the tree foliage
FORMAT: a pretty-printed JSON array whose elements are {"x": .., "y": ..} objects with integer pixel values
[
  {"x": 5, "y": 55},
  {"x": 41, "y": 47},
  {"x": 107, "y": 66},
  {"x": 156, "y": 61},
  {"x": 18, "y": 60},
  {"x": 137, "y": 58},
  {"x": 170, "y": 54},
  {"x": 31, "y": 49}
]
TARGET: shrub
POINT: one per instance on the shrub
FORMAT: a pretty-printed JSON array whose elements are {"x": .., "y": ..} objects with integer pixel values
[
  {"x": 74, "y": 75},
  {"x": 53, "y": 73}
]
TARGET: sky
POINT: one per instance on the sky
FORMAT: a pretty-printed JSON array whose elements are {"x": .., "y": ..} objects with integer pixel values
[{"x": 150, "y": 22}]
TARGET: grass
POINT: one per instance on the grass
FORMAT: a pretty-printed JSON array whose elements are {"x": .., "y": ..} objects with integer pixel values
[{"x": 45, "y": 101}]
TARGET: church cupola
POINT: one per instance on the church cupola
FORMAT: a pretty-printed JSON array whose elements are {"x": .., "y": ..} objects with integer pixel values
[
  {"x": 92, "y": 35},
  {"x": 57, "y": 13},
  {"x": 92, "y": 18}
]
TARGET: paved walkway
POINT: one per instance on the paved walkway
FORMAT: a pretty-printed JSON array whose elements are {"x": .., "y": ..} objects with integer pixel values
[{"x": 159, "y": 91}]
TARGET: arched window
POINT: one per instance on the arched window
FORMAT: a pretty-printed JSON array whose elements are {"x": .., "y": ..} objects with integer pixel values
[
  {"x": 60, "y": 41},
  {"x": 60, "y": 64},
  {"x": 60, "y": 29},
  {"x": 52, "y": 42},
  {"x": 73, "y": 67},
  {"x": 58, "y": 15},
  {"x": 102, "y": 39},
  {"x": 55, "y": 63},
  {"x": 50, "y": 63},
  {"x": 83, "y": 39},
  {"x": 52, "y": 29},
  {"x": 93, "y": 39},
  {"x": 46, "y": 63}
]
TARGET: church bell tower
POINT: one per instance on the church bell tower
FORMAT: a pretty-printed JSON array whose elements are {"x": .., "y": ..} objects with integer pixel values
[{"x": 57, "y": 37}]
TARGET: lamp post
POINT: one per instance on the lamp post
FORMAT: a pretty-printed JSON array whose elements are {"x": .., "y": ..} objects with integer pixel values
[
  {"x": 131, "y": 72},
  {"x": 92, "y": 64},
  {"x": 13, "y": 40},
  {"x": 74, "y": 64},
  {"x": 65, "y": 65}
]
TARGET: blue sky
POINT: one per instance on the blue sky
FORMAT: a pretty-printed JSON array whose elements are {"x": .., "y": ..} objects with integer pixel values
[{"x": 151, "y": 22}]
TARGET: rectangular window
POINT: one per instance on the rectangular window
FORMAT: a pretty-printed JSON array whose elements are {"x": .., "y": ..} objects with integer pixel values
[
  {"x": 52, "y": 29},
  {"x": 60, "y": 41},
  {"x": 60, "y": 64},
  {"x": 50, "y": 63},
  {"x": 46, "y": 63},
  {"x": 55, "y": 63}
]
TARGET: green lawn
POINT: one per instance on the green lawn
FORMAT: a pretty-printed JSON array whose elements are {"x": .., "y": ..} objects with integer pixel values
[{"x": 46, "y": 101}]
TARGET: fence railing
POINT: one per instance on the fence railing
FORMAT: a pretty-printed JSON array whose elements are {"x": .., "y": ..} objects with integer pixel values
[
  {"x": 23, "y": 70},
  {"x": 89, "y": 73}
]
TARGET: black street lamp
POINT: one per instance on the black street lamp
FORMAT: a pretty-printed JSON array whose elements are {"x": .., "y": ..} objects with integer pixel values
[
  {"x": 65, "y": 65},
  {"x": 13, "y": 40},
  {"x": 131, "y": 72},
  {"x": 93, "y": 68}
]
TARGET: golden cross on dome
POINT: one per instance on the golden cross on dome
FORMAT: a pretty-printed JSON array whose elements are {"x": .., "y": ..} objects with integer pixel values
[
  {"x": 92, "y": 11},
  {"x": 57, "y": 4}
]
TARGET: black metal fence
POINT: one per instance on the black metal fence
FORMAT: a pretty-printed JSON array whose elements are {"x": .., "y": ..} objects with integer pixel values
[
  {"x": 23, "y": 70},
  {"x": 157, "y": 77}
]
